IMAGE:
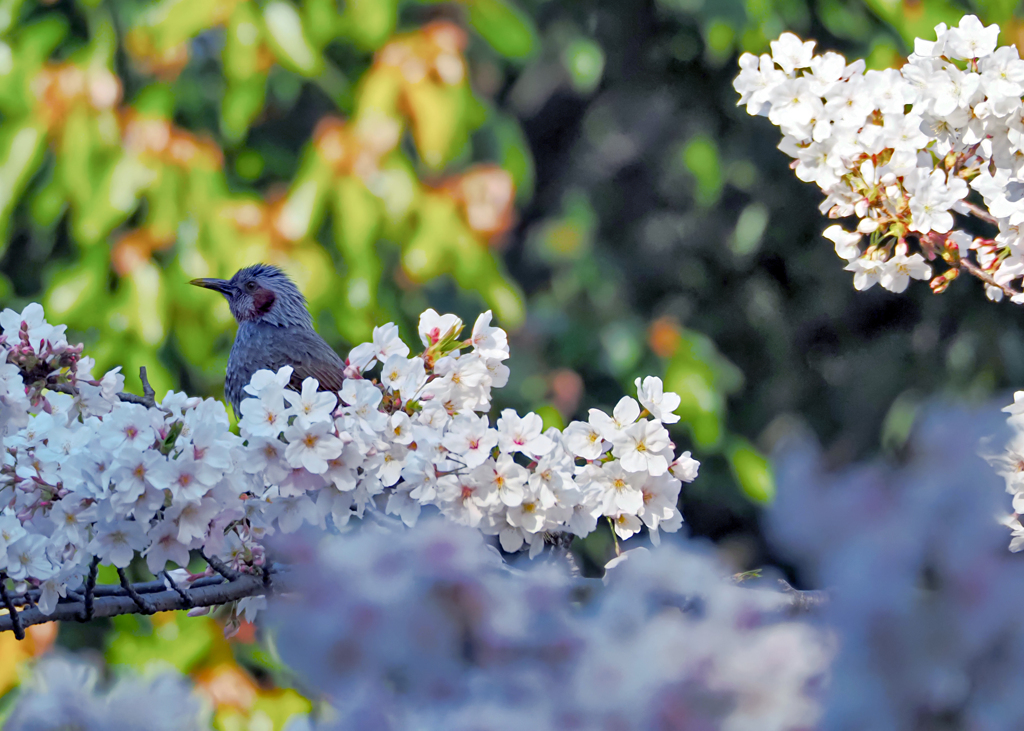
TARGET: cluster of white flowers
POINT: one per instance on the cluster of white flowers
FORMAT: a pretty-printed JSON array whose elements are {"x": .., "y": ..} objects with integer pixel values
[
  {"x": 86, "y": 476},
  {"x": 1009, "y": 464},
  {"x": 902, "y": 149}
]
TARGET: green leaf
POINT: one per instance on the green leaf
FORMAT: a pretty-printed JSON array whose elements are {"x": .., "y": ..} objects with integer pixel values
[
  {"x": 287, "y": 36},
  {"x": 182, "y": 641},
  {"x": 584, "y": 60},
  {"x": 508, "y": 30},
  {"x": 700, "y": 156},
  {"x": 22, "y": 145},
  {"x": 368, "y": 23},
  {"x": 514, "y": 155},
  {"x": 752, "y": 471}
]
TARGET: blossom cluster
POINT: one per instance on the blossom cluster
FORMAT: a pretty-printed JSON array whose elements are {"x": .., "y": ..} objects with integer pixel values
[
  {"x": 1009, "y": 464},
  {"x": 902, "y": 150},
  {"x": 86, "y": 476},
  {"x": 425, "y": 628},
  {"x": 428, "y": 628}
]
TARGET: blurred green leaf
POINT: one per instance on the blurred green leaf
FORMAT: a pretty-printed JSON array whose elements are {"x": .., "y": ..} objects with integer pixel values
[
  {"x": 584, "y": 60},
  {"x": 507, "y": 29},
  {"x": 752, "y": 471},
  {"x": 700, "y": 156},
  {"x": 287, "y": 36}
]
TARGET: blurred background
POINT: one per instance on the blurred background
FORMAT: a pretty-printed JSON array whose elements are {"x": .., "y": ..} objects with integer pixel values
[{"x": 580, "y": 167}]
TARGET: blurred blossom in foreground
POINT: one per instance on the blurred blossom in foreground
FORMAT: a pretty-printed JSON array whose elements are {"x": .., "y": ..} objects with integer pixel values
[
  {"x": 427, "y": 628},
  {"x": 64, "y": 694},
  {"x": 924, "y": 595}
]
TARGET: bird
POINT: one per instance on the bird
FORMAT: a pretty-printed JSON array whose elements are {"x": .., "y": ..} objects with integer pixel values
[{"x": 275, "y": 330}]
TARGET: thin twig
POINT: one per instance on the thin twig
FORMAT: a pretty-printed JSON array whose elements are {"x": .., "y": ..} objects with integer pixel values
[
  {"x": 147, "y": 391},
  {"x": 90, "y": 586},
  {"x": 979, "y": 212},
  {"x": 615, "y": 536},
  {"x": 144, "y": 605},
  {"x": 183, "y": 593},
  {"x": 804, "y": 601},
  {"x": 148, "y": 399},
  {"x": 974, "y": 270},
  {"x": 217, "y": 565},
  {"x": 14, "y": 614}
]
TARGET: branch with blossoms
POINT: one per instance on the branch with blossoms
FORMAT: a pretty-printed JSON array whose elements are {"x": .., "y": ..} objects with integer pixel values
[
  {"x": 90, "y": 477},
  {"x": 901, "y": 150}
]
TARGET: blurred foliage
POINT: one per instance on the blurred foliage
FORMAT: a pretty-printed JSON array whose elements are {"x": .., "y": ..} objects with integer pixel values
[
  {"x": 581, "y": 167},
  {"x": 97, "y": 166}
]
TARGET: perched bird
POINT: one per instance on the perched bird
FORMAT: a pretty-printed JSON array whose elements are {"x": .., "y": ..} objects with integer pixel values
[{"x": 274, "y": 330}]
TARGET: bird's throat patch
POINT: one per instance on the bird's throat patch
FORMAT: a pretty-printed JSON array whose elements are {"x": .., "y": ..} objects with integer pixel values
[{"x": 263, "y": 300}]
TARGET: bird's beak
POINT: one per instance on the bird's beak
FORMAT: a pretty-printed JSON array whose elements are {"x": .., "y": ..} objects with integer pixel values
[{"x": 218, "y": 285}]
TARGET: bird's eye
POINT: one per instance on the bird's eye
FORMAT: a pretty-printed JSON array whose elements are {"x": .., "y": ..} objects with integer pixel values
[{"x": 250, "y": 286}]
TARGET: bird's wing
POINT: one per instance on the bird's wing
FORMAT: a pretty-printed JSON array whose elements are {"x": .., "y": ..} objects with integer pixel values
[{"x": 309, "y": 355}]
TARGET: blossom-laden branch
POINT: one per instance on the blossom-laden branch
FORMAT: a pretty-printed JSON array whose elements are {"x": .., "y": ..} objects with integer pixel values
[
  {"x": 89, "y": 477},
  {"x": 901, "y": 151}
]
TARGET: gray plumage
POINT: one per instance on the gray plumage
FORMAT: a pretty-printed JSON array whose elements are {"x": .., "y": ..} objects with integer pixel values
[{"x": 274, "y": 330}]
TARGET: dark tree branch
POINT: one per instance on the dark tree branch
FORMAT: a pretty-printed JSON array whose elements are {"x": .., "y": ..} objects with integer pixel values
[
  {"x": 104, "y": 590},
  {"x": 90, "y": 586},
  {"x": 207, "y": 592},
  {"x": 13, "y": 617},
  {"x": 183, "y": 593},
  {"x": 219, "y": 566},
  {"x": 141, "y": 602}
]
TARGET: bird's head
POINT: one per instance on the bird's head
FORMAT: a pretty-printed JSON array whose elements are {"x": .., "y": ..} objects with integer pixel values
[{"x": 261, "y": 293}]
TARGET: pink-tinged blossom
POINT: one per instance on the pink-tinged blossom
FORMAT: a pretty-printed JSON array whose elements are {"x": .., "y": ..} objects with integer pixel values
[
  {"x": 488, "y": 341},
  {"x": 27, "y": 557},
  {"x": 685, "y": 467},
  {"x": 130, "y": 425},
  {"x": 184, "y": 477},
  {"x": 470, "y": 439},
  {"x": 311, "y": 446},
  {"x": 263, "y": 417},
  {"x": 388, "y": 343},
  {"x": 294, "y": 511},
  {"x": 193, "y": 518},
  {"x": 362, "y": 399},
  {"x": 433, "y": 327},
  {"x": 501, "y": 480},
  {"x": 165, "y": 547},
  {"x": 522, "y": 434},
  {"x": 117, "y": 541}
]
